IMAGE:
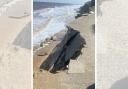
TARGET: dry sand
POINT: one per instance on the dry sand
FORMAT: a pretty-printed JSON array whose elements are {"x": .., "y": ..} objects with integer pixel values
[
  {"x": 112, "y": 45},
  {"x": 62, "y": 80},
  {"x": 15, "y": 60}
]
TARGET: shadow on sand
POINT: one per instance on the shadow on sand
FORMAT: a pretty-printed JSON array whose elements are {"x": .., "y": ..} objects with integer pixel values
[
  {"x": 91, "y": 86},
  {"x": 121, "y": 84},
  {"x": 23, "y": 39},
  {"x": 93, "y": 28}
]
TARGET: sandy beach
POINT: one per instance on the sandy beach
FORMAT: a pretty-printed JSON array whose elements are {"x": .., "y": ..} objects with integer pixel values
[
  {"x": 112, "y": 45},
  {"x": 62, "y": 80},
  {"x": 15, "y": 54}
]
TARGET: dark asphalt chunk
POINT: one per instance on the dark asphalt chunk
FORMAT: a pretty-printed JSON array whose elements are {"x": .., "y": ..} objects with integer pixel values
[{"x": 64, "y": 51}]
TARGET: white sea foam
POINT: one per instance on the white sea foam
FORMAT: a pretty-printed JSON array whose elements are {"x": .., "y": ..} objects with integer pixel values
[
  {"x": 62, "y": 13},
  {"x": 59, "y": 17}
]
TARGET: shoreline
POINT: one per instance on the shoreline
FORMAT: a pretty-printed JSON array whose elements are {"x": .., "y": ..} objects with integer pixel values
[
  {"x": 62, "y": 18},
  {"x": 46, "y": 80}
]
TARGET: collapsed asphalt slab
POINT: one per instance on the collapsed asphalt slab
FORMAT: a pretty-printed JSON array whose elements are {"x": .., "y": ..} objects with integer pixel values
[
  {"x": 70, "y": 43},
  {"x": 63, "y": 79}
]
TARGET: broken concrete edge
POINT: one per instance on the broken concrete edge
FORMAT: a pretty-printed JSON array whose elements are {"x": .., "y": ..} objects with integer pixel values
[{"x": 75, "y": 69}]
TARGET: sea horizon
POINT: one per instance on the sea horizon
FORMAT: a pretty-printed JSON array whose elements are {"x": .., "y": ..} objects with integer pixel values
[
  {"x": 42, "y": 5},
  {"x": 65, "y": 1}
]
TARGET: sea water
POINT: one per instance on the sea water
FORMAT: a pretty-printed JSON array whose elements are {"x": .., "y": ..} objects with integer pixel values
[{"x": 57, "y": 15}]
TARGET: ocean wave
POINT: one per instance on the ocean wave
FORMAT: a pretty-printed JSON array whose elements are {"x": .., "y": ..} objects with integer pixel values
[
  {"x": 64, "y": 13},
  {"x": 59, "y": 17}
]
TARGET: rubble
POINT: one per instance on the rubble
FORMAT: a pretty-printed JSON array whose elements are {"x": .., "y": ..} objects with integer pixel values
[{"x": 86, "y": 9}]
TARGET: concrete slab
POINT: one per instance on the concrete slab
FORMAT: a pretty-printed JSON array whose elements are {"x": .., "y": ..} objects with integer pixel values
[{"x": 76, "y": 66}]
